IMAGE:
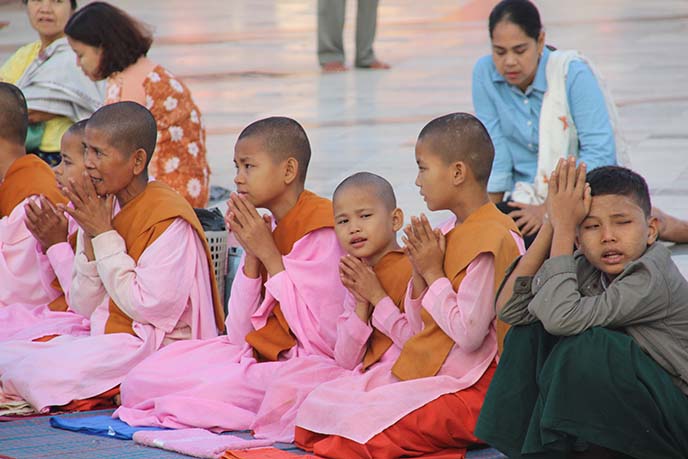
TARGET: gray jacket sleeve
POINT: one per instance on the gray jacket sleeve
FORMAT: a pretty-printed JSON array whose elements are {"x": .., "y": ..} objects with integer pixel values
[
  {"x": 515, "y": 311},
  {"x": 639, "y": 294}
]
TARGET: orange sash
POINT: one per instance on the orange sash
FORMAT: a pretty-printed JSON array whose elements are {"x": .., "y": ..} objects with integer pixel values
[
  {"x": 140, "y": 223},
  {"x": 486, "y": 230},
  {"x": 28, "y": 176},
  {"x": 310, "y": 213},
  {"x": 394, "y": 271}
]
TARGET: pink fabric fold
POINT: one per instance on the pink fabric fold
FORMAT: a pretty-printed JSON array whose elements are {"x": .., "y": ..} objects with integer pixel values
[
  {"x": 70, "y": 368},
  {"x": 217, "y": 384},
  {"x": 195, "y": 442}
]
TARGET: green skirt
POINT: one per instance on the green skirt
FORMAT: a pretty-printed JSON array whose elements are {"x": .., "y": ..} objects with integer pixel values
[{"x": 599, "y": 387}]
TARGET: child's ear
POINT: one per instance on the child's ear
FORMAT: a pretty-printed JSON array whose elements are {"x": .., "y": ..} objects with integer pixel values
[
  {"x": 459, "y": 171},
  {"x": 652, "y": 230},
  {"x": 397, "y": 219},
  {"x": 291, "y": 170},
  {"x": 139, "y": 158}
]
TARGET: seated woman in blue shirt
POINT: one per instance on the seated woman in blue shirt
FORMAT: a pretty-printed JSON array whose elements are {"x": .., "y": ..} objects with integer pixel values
[{"x": 508, "y": 91}]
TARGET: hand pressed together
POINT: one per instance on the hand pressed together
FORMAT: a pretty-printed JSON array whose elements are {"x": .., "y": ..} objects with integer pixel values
[
  {"x": 47, "y": 224},
  {"x": 93, "y": 213},
  {"x": 425, "y": 248}
]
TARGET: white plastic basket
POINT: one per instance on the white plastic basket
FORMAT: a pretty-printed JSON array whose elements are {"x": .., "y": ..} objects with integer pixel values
[{"x": 217, "y": 241}]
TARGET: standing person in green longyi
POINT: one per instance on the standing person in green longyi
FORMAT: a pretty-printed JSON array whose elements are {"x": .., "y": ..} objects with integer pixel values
[{"x": 331, "y": 15}]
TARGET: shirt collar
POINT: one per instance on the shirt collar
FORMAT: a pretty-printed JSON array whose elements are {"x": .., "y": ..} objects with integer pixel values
[{"x": 540, "y": 81}]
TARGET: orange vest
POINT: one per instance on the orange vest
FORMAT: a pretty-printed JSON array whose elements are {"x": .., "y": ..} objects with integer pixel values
[
  {"x": 393, "y": 271},
  {"x": 310, "y": 213},
  {"x": 28, "y": 176},
  {"x": 487, "y": 230},
  {"x": 140, "y": 222}
]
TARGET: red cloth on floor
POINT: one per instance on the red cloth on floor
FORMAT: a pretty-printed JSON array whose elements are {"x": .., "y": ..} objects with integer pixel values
[
  {"x": 99, "y": 402},
  {"x": 442, "y": 429}
]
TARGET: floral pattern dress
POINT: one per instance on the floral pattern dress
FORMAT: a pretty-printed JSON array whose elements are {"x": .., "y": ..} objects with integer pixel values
[{"x": 179, "y": 159}]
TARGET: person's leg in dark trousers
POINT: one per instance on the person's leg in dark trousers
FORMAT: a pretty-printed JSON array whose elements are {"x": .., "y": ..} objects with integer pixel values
[
  {"x": 366, "y": 26},
  {"x": 331, "y": 14}
]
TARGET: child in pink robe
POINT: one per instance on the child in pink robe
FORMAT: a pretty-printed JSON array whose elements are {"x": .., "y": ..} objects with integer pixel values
[
  {"x": 52, "y": 231},
  {"x": 219, "y": 384},
  {"x": 366, "y": 223},
  {"x": 22, "y": 177},
  {"x": 392, "y": 409},
  {"x": 108, "y": 282}
]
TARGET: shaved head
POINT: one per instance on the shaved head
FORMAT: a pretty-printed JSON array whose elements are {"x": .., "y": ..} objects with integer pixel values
[
  {"x": 282, "y": 138},
  {"x": 77, "y": 128},
  {"x": 372, "y": 183},
  {"x": 129, "y": 127},
  {"x": 461, "y": 137},
  {"x": 14, "y": 116}
]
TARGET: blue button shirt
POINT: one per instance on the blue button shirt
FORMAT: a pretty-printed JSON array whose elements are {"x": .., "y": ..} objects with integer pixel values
[{"x": 512, "y": 117}]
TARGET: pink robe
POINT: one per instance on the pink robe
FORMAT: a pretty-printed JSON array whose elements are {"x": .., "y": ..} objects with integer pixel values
[
  {"x": 217, "y": 384},
  {"x": 296, "y": 379},
  {"x": 27, "y": 322},
  {"x": 167, "y": 294},
  {"x": 22, "y": 270},
  {"x": 360, "y": 406}
]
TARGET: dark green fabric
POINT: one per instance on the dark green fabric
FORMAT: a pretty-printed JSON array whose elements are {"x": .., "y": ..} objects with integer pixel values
[
  {"x": 34, "y": 136},
  {"x": 598, "y": 386}
]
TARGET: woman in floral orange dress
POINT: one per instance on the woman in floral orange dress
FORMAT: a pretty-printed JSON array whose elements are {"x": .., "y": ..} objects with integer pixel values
[{"x": 111, "y": 44}]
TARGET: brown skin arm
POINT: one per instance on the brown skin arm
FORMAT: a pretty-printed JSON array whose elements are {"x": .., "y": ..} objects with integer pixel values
[{"x": 36, "y": 116}]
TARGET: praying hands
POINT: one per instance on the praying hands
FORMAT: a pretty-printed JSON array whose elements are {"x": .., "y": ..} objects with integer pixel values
[
  {"x": 93, "y": 213},
  {"x": 425, "y": 248}
]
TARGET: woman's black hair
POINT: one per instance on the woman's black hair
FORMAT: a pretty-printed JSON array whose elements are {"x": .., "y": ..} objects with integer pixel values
[
  {"x": 520, "y": 12},
  {"x": 122, "y": 39},
  {"x": 71, "y": 2}
]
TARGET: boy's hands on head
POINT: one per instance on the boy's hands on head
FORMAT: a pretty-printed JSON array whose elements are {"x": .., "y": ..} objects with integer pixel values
[
  {"x": 568, "y": 198},
  {"x": 92, "y": 212},
  {"x": 254, "y": 234},
  {"x": 361, "y": 280},
  {"x": 568, "y": 202},
  {"x": 425, "y": 247},
  {"x": 47, "y": 224}
]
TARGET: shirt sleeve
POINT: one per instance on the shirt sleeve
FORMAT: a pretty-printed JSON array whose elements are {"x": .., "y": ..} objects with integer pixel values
[
  {"x": 467, "y": 315},
  {"x": 597, "y": 146},
  {"x": 310, "y": 291},
  {"x": 637, "y": 295},
  {"x": 515, "y": 311},
  {"x": 352, "y": 336},
  {"x": 61, "y": 257},
  {"x": 142, "y": 289},
  {"x": 399, "y": 326},
  {"x": 501, "y": 178},
  {"x": 244, "y": 299},
  {"x": 87, "y": 291}
]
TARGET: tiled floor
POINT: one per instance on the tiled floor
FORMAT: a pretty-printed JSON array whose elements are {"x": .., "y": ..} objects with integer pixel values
[{"x": 246, "y": 59}]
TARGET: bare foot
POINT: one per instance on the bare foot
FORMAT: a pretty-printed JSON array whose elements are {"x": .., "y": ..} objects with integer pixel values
[
  {"x": 333, "y": 67},
  {"x": 376, "y": 65},
  {"x": 671, "y": 228}
]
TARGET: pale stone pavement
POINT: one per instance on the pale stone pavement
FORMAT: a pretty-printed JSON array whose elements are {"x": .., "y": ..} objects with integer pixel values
[{"x": 247, "y": 59}]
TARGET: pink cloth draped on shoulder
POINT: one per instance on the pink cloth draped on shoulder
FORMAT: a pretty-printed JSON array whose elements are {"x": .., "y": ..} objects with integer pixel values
[
  {"x": 217, "y": 384},
  {"x": 22, "y": 270},
  {"x": 72, "y": 368},
  {"x": 368, "y": 403},
  {"x": 28, "y": 322}
]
